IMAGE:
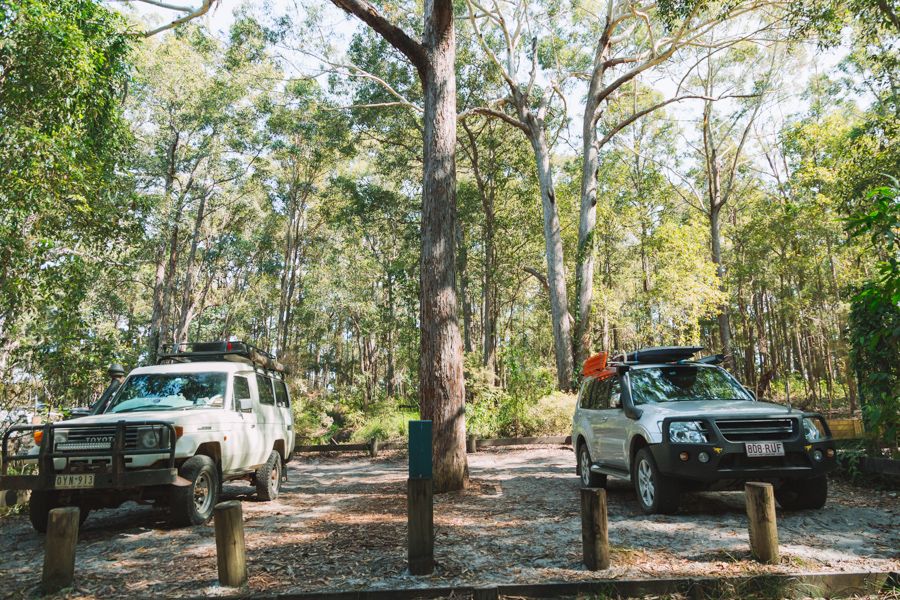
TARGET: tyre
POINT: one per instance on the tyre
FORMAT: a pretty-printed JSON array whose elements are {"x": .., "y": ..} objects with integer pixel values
[
  {"x": 41, "y": 503},
  {"x": 193, "y": 504},
  {"x": 268, "y": 478},
  {"x": 588, "y": 477},
  {"x": 656, "y": 493},
  {"x": 801, "y": 494}
]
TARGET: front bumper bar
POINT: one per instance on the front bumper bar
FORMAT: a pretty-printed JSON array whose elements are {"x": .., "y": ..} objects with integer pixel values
[
  {"x": 107, "y": 475},
  {"x": 728, "y": 460}
]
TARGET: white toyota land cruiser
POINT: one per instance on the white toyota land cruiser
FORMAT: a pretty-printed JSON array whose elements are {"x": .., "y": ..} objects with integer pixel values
[{"x": 170, "y": 435}]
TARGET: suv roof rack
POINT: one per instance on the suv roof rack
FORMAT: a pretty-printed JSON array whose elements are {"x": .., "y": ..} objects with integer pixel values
[
  {"x": 212, "y": 351},
  {"x": 658, "y": 354}
]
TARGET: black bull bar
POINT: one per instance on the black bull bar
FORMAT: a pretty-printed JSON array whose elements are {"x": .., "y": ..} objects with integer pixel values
[{"x": 105, "y": 475}]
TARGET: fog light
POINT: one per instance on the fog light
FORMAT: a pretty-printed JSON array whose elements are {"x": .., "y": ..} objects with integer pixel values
[
  {"x": 684, "y": 456},
  {"x": 817, "y": 456},
  {"x": 830, "y": 453},
  {"x": 703, "y": 457}
]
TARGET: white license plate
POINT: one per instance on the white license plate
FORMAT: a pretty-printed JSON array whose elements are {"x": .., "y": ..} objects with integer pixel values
[
  {"x": 85, "y": 480},
  {"x": 764, "y": 448}
]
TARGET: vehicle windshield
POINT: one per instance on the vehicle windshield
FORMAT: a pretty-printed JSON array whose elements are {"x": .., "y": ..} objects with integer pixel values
[
  {"x": 683, "y": 382},
  {"x": 170, "y": 391}
]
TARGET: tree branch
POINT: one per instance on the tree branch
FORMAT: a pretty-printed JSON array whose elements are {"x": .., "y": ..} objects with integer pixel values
[
  {"x": 396, "y": 37},
  {"x": 192, "y": 13}
]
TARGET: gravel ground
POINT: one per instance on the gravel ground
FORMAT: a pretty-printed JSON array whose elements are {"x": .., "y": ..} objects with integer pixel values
[{"x": 341, "y": 524}]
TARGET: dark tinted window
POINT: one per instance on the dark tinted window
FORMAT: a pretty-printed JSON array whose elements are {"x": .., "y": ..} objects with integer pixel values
[
  {"x": 586, "y": 390},
  {"x": 601, "y": 394},
  {"x": 281, "y": 394},
  {"x": 265, "y": 390},
  {"x": 241, "y": 391}
]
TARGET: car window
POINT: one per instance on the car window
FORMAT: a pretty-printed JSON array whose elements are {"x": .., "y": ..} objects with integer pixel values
[
  {"x": 281, "y": 393},
  {"x": 265, "y": 390},
  {"x": 615, "y": 394},
  {"x": 170, "y": 391},
  {"x": 585, "y": 401},
  {"x": 684, "y": 382},
  {"x": 241, "y": 391},
  {"x": 601, "y": 394}
]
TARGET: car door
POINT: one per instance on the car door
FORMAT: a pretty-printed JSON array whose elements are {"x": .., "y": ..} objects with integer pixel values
[
  {"x": 595, "y": 417},
  {"x": 240, "y": 452},
  {"x": 268, "y": 416},
  {"x": 613, "y": 426},
  {"x": 286, "y": 419}
]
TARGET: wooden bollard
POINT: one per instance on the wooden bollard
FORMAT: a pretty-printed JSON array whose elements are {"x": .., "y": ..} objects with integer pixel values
[
  {"x": 231, "y": 553},
  {"x": 760, "y": 498},
  {"x": 472, "y": 444},
  {"x": 373, "y": 447},
  {"x": 59, "y": 549},
  {"x": 594, "y": 529},
  {"x": 420, "y": 519}
]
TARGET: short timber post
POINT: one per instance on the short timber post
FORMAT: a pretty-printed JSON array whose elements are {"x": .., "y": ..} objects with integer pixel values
[
  {"x": 59, "y": 549},
  {"x": 373, "y": 447},
  {"x": 594, "y": 529},
  {"x": 231, "y": 553},
  {"x": 420, "y": 500},
  {"x": 760, "y": 498},
  {"x": 471, "y": 444}
]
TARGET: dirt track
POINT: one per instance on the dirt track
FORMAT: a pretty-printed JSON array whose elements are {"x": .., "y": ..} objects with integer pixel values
[{"x": 341, "y": 524}]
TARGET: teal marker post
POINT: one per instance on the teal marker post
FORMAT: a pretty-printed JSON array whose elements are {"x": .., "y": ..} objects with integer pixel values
[{"x": 420, "y": 500}]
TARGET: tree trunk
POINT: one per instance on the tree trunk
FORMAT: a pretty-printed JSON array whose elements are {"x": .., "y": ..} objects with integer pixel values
[
  {"x": 584, "y": 258},
  {"x": 187, "y": 298},
  {"x": 441, "y": 383},
  {"x": 462, "y": 262},
  {"x": 716, "y": 242},
  {"x": 556, "y": 275}
]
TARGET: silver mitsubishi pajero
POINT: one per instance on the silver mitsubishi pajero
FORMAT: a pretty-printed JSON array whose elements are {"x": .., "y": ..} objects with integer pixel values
[{"x": 672, "y": 424}]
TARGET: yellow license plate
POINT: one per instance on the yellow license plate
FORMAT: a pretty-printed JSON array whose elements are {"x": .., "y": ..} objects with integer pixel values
[{"x": 69, "y": 482}]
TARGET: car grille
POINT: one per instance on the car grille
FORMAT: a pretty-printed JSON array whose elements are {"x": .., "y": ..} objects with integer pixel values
[
  {"x": 757, "y": 430},
  {"x": 94, "y": 439}
]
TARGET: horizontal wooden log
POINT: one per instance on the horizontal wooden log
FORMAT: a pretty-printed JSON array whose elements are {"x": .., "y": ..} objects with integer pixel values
[
  {"x": 846, "y": 429},
  {"x": 830, "y": 585},
  {"x": 481, "y": 443}
]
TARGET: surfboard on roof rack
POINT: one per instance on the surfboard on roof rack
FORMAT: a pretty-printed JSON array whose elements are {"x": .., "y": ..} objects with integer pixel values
[{"x": 659, "y": 354}]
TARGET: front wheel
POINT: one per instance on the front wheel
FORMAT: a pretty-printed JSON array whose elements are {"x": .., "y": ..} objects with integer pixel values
[
  {"x": 41, "y": 503},
  {"x": 193, "y": 504},
  {"x": 801, "y": 494},
  {"x": 588, "y": 477},
  {"x": 656, "y": 493}
]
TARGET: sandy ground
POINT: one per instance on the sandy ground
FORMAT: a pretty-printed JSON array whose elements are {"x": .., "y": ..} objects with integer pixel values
[{"x": 341, "y": 524}]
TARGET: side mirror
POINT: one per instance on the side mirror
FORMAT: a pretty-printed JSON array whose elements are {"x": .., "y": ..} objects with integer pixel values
[
  {"x": 246, "y": 405},
  {"x": 81, "y": 411}
]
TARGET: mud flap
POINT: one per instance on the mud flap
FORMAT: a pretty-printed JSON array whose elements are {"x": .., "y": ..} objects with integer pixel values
[{"x": 181, "y": 481}]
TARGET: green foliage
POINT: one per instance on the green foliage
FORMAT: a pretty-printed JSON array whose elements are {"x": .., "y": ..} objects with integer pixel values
[
  {"x": 64, "y": 205},
  {"x": 875, "y": 316}
]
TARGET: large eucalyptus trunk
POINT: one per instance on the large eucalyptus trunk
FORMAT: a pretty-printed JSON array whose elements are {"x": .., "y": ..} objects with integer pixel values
[
  {"x": 584, "y": 258},
  {"x": 441, "y": 383},
  {"x": 715, "y": 235},
  {"x": 556, "y": 274}
]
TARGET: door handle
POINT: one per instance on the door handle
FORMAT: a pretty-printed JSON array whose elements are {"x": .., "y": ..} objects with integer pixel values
[{"x": 602, "y": 419}]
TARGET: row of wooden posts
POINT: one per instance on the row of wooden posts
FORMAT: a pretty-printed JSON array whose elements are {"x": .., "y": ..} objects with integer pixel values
[{"x": 231, "y": 554}]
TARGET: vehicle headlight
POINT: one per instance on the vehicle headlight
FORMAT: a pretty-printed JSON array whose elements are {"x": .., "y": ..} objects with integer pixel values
[
  {"x": 687, "y": 432},
  {"x": 149, "y": 438},
  {"x": 813, "y": 429}
]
